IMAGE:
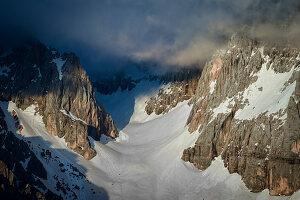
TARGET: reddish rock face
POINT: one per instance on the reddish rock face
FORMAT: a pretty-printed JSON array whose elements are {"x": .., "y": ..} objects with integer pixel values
[
  {"x": 264, "y": 150},
  {"x": 295, "y": 148},
  {"x": 216, "y": 68},
  {"x": 20, "y": 128},
  {"x": 13, "y": 112},
  {"x": 281, "y": 186},
  {"x": 15, "y": 115},
  {"x": 17, "y": 122}
]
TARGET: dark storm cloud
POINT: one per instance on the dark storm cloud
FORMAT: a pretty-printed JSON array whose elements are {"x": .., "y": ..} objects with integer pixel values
[{"x": 178, "y": 32}]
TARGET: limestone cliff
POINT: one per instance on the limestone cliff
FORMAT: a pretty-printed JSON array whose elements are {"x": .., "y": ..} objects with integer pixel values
[
  {"x": 35, "y": 74},
  {"x": 178, "y": 87},
  {"x": 246, "y": 108}
]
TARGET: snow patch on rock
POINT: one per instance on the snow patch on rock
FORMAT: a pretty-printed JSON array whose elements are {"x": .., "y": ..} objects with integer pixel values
[
  {"x": 73, "y": 117},
  {"x": 59, "y": 64},
  {"x": 223, "y": 108},
  {"x": 212, "y": 86},
  {"x": 25, "y": 163},
  {"x": 269, "y": 85},
  {"x": 261, "y": 50}
]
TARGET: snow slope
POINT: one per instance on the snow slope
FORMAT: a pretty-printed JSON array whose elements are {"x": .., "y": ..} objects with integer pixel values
[
  {"x": 59, "y": 64},
  {"x": 61, "y": 165},
  {"x": 143, "y": 163},
  {"x": 121, "y": 104}
]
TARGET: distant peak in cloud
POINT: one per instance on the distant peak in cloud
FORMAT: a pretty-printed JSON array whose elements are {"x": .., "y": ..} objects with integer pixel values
[{"x": 171, "y": 32}]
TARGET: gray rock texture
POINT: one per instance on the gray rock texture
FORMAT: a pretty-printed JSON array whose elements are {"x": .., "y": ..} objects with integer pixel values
[
  {"x": 264, "y": 149},
  {"x": 36, "y": 74},
  {"x": 179, "y": 86}
]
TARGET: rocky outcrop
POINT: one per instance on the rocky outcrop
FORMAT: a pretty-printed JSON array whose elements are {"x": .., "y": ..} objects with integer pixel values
[
  {"x": 20, "y": 170},
  {"x": 126, "y": 76},
  {"x": 17, "y": 122},
  {"x": 62, "y": 90},
  {"x": 116, "y": 82},
  {"x": 178, "y": 87},
  {"x": 246, "y": 108}
]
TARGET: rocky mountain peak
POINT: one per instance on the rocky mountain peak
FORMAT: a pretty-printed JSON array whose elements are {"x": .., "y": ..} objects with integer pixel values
[
  {"x": 246, "y": 108},
  {"x": 62, "y": 91}
]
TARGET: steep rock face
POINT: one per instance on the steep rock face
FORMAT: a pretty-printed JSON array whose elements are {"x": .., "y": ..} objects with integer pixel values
[
  {"x": 20, "y": 170},
  {"x": 35, "y": 74},
  {"x": 179, "y": 86},
  {"x": 246, "y": 108}
]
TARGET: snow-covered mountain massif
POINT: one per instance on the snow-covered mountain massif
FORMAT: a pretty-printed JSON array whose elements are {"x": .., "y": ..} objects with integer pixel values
[
  {"x": 247, "y": 110},
  {"x": 232, "y": 132}
]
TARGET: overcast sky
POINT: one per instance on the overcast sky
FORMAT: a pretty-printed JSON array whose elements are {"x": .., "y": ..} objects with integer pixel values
[{"x": 105, "y": 33}]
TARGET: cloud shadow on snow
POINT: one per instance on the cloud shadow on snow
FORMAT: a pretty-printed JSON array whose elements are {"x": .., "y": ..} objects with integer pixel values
[{"x": 61, "y": 163}]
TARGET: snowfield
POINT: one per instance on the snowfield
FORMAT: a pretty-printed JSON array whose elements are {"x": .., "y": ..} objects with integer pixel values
[
  {"x": 263, "y": 88},
  {"x": 143, "y": 163},
  {"x": 59, "y": 64}
]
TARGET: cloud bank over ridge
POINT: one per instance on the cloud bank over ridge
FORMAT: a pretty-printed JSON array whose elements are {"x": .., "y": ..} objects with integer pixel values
[{"x": 171, "y": 32}]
